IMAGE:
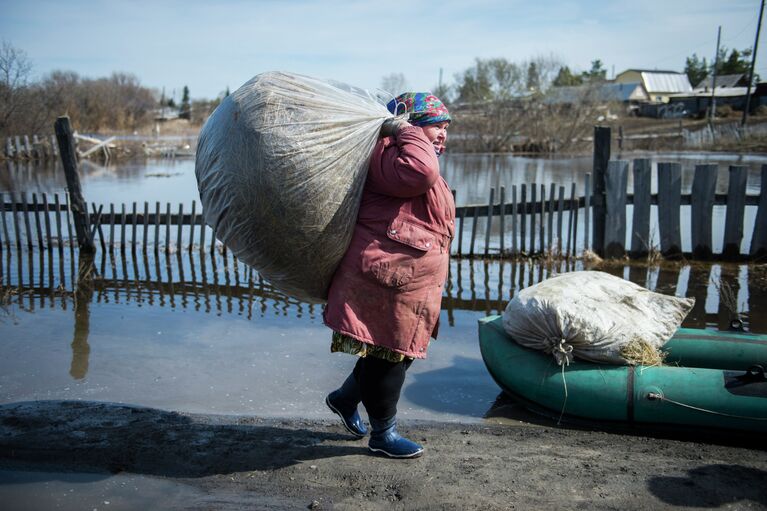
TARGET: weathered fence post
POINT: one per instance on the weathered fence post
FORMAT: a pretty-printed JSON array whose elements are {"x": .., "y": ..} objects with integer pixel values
[
  {"x": 77, "y": 202},
  {"x": 701, "y": 209},
  {"x": 616, "y": 180},
  {"x": 736, "y": 204},
  {"x": 601, "y": 159},
  {"x": 640, "y": 224},
  {"x": 586, "y": 211},
  {"x": 669, "y": 203},
  {"x": 759, "y": 238}
]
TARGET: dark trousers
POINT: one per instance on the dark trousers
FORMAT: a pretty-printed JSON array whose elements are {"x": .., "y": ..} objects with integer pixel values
[{"x": 377, "y": 383}]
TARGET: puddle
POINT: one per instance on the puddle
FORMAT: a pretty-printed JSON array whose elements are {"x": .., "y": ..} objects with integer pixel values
[
  {"x": 73, "y": 491},
  {"x": 197, "y": 331},
  {"x": 192, "y": 333}
]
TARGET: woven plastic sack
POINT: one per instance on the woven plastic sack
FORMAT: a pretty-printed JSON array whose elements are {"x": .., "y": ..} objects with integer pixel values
[
  {"x": 280, "y": 168},
  {"x": 592, "y": 315}
]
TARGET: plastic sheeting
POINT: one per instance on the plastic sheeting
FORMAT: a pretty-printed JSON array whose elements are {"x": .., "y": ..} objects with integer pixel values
[
  {"x": 280, "y": 168},
  {"x": 592, "y": 315}
]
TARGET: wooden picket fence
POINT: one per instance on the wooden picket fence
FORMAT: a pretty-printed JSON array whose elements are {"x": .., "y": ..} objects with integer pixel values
[
  {"x": 530, "y": 220},
  {"x": 669, "y": 201},
  {"x": 24, "y": 147},
  {"x": 40, "y": 221},
  {"x": 536, "y": 223},
  {"x": 46, "y": 148},
  {"x": 218, "y": 283}
]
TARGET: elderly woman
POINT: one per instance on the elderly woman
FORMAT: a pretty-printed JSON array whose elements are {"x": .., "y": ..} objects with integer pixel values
[{"x": 384, "y": 300}]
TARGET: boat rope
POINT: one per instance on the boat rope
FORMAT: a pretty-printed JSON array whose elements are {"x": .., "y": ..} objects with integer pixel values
[
  {"x": 564, "y": 384},
  {"x": 563, "y": 354},
  {"x": 562, "y": 351},
  {"x": 661, "y": 397}
]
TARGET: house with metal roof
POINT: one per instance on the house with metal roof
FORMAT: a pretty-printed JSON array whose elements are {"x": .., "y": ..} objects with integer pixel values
[
  {"x": 723, "y": 81},
  {"x": 659, "y": 85},
  {"x": 606, "y": 92}
]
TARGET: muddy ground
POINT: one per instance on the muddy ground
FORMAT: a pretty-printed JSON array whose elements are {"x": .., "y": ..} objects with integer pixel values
[{"x": 250, "y": 463}]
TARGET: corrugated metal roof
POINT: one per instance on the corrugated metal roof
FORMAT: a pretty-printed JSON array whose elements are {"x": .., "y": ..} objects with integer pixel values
[
  {"x": 723, "y": 81},
  {"x": 603, "y": 92},
  {"x": 648, "y": 71},
  {"x": 727, "y": 92},
  {"x": 656, "y": 82}
]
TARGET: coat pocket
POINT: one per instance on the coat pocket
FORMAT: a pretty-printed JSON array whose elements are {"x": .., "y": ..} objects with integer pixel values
[
  {"x": 411, "y": 235},
  {"x": 393, "y": 262}
]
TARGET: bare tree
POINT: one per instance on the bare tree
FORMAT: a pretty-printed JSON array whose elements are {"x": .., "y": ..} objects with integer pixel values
[
  {"x": 503, "y": 106},
  {"x": 14, "y": 76},
  {"x": 394, "y": 83},
  {"x": 119, "y": 102}
]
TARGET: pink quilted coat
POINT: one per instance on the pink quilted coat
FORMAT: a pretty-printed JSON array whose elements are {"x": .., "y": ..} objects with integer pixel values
[{"x": 388, "y": 287}]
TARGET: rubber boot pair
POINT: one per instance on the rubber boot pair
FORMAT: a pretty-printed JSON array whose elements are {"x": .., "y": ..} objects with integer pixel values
[{"x": 384, "y": 438}]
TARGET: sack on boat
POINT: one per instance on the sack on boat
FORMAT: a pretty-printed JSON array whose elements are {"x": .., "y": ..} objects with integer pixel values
[
  {"x": 280, "y": 168},
  {"x": 594, "y": 316}
]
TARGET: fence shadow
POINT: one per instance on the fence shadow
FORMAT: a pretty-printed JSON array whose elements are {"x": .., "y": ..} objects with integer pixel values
[
  {"x": 217, "y": 283},
  {"x": 109, "y": 437}
]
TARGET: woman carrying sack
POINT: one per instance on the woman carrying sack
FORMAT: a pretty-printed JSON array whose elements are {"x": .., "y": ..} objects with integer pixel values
[{"x": 384, "y": 299}]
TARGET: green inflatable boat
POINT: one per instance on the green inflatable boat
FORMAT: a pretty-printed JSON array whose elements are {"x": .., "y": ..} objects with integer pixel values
[{"x": 712, "y": 379}]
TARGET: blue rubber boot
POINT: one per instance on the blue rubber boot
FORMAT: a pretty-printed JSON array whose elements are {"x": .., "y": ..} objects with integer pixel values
[
  {"x": 343, "y": 402},
  {"x": 385, "y": 440}
]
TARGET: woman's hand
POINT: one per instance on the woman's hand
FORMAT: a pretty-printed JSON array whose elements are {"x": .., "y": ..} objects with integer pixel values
[{"x": 392, "y": 126}]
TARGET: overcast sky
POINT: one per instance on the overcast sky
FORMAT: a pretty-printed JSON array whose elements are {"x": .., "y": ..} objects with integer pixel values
[{"x": 211, "y": 45}]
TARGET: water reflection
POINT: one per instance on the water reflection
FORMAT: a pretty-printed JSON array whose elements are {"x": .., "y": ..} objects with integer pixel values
[
  {"x": 471, "y": 175},
  {"x": 219, "y": 284},
  {"x": 83, "y": 296}
]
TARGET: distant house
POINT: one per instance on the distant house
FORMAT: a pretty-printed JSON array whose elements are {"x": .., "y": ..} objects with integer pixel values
[
  {"x": 608, "y": 92},
  {"x": 723, "y": 81},
  {"x": 163, "y": 114},
  {"x": 659, "y": 85},
  {"x": 730, "y": 90}
]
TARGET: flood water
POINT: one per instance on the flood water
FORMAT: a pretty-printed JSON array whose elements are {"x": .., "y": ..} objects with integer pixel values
[
  {"x": 198, "y": 332},
  {"x": 471, "y": 175}
]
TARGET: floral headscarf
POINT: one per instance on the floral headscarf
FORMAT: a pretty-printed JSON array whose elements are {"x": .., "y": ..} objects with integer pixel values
[{"x": 424, "y": 108}]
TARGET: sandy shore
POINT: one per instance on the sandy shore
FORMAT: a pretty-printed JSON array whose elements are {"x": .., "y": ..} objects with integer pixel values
[{"x": 250, "y": 463}]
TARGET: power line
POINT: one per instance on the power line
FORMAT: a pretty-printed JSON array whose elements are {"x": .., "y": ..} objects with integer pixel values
[
  {"x": 750, "y": 24},
  {"x": 707, "y": 44}
]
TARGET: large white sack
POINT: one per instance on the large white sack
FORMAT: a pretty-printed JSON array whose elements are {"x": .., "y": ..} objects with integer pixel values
[
  {"x": 592, "y": 315},
  {"x": 280, "y": 168}
]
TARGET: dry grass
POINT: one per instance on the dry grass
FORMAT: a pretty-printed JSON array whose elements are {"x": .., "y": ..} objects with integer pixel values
[
  {"x": 758, "y": 275},
  {"x": 590, "y": 257},
  {"x": 654, "y": 255},
  {"x": 640, "y": 352},
  {"x": 727, "y": 297},
  {"x": 6, "y": 295}
]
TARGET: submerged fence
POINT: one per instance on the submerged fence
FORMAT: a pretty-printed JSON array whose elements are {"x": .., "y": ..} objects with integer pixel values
[
  {"x": 527, "y": 220},
  {"x": 31, "y": 148},
  {"x": 219, "y": 284},
  {"x": 551, "y": 220}
]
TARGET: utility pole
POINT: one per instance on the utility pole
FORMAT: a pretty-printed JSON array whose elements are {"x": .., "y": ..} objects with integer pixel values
[
  {"x": 751, "y": 71},
  {"x": 712, "y": 110}
]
